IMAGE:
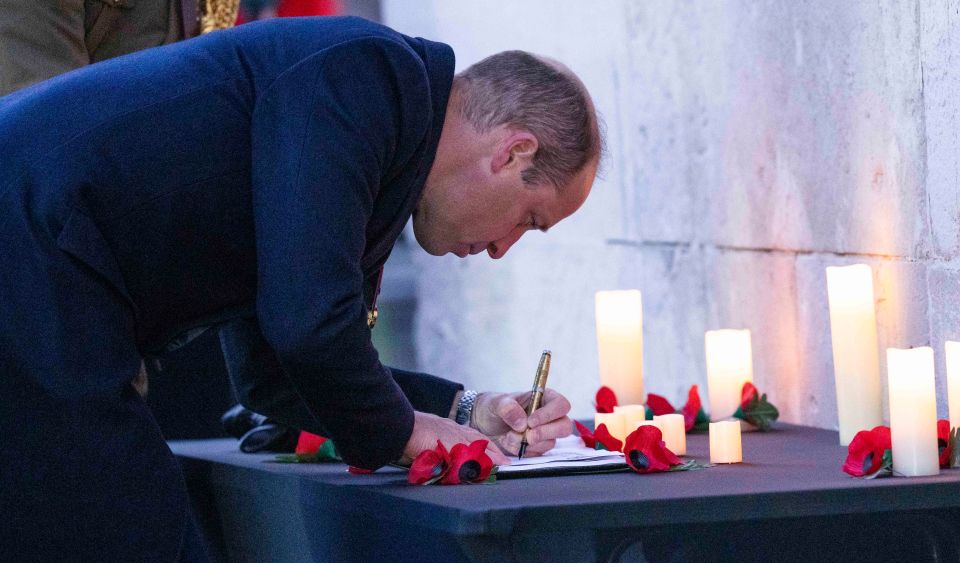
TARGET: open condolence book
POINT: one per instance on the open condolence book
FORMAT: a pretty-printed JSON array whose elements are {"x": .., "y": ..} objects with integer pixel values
[{"x": 569, "y": 457}]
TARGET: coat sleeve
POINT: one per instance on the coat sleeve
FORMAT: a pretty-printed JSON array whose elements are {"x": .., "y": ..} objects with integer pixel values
[
  {"x": 324, "y": 135},
  {"x": 261, "y": 384}
]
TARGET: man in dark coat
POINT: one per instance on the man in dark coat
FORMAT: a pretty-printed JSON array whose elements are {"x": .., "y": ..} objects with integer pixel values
[{"x": 254, "y": 180}]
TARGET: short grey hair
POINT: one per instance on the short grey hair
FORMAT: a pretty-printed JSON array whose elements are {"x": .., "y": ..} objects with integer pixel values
[{"x": 518, "y": 89}]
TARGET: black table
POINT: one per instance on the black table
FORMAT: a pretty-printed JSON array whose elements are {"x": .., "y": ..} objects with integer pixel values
[{"x": 789, "y": 500}]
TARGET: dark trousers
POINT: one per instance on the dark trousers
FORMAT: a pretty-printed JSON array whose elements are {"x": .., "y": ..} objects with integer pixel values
[{"x": 85, "y": 474}]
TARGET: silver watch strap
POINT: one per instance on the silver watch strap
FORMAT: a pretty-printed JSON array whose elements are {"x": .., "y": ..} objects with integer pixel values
[{"x": 465, "y": 406}]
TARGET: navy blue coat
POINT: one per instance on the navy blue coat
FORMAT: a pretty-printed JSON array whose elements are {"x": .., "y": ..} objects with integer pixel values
[{"x": 254, "y": 179}]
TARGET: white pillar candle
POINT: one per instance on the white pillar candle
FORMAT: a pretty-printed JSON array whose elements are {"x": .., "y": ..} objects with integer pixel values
[
  {"x": 953, "y": 382},
  {"x": 856, "y": 358},
  {"x": 674, "y": 432},
  {"x": 615, "y": 421},
  {"x": 729, "y": 366},
  {"x": 913, "y": 411},
  {"x": 633, "y": 415},
  {"x": 619, "y": 317},
  {"x": 725, "y": 444}
]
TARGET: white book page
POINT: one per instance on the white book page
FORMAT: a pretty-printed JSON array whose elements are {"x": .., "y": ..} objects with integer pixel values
[{"x": 569, "y": 452}]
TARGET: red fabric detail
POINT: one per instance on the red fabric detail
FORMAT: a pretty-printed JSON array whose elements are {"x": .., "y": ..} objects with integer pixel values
[
  {"x": 587, "y": 436},
  {"x": 692, "y": 408},
  {"x": 606, "y": 399},
  {"x": 294, "y": 8},
  {"x": 468, "y": 464},
  {"x": 747, "y": 394},
  {"x": 654, "y": 456},
  {"x": 603, "y": 436},
  {"x": 867, "y": 443},
  {"x": 429, "y": 464},
  {"x": 659, "y": 405},
  {"x": 308, "y": 444},
  {"x": 943, "y": 442},
  {"x": 359, "y": 470}
]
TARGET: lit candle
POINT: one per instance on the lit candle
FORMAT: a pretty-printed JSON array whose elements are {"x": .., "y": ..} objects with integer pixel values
[
  {"x": 953, "y": 382},
  {"x": 913, "y": 411},
  {"x": 633, "y": 415},
  {"x": 620, "y": 343},
  {"x": 729, "y": 366},
  {"x": 615, "y": 421},
  {"x": 856, "y": 358},
  {"x": 674, "y": 432},
  {"x": 725, "y": 444}
]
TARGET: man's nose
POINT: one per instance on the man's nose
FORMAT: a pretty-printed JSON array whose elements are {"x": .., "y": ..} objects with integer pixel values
[{"x": 498, "y": 248}]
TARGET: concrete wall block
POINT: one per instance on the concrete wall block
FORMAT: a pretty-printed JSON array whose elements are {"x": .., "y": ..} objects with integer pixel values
[
  {"x": 672, "y": 282},
  {"x": 823, "y": 134},
  {"x": 665, "y": 112},
  {"x": 944, "y": 291},
  {"x": 939, "y": 57}
]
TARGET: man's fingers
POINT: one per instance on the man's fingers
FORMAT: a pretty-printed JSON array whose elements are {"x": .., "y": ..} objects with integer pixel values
[
  {"x": 540, "y": 448},
  {"x": 553, "y": 407},
  {"x": 495, "y": 456},
  {"x": 510, "y": 442},
  {"x": 550, "y": 431},
  {"x": 512, "y": 413}
]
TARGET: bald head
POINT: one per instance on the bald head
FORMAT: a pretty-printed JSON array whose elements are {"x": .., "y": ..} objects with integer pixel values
[{"x": 540, "y": 95}]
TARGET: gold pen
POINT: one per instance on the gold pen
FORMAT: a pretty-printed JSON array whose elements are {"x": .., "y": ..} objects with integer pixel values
[{"x": 536, "y": 394}]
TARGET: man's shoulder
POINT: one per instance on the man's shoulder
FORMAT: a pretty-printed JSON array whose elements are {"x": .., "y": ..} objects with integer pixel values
[{"x": 316, "y": 33}]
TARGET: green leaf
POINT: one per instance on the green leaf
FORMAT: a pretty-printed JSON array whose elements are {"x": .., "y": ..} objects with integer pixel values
[
  {"x": 691, "y": 465},
  {"x": 599, "y": 446},
  {"x": 886, "y": 466},
  {"x": 954, "y": 450},
  {"x": 648, "y": 413},
  {"x": 493, "y": 476},
  {"x": 702, "y": 422},
  {"x": 760, "y": 413},
  {"x": 327, "y": 452}
]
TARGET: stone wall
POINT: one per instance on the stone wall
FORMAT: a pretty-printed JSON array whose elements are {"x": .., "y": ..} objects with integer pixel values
[{"x": 750, "y": 145}]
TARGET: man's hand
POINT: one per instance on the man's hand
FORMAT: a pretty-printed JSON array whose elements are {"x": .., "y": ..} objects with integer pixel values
[
  {"x": 428, "y": 428},
  {"x": 503, "y": 418}
]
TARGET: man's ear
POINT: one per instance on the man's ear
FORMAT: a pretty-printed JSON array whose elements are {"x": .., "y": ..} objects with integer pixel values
[{"x": 517, "y": 148}]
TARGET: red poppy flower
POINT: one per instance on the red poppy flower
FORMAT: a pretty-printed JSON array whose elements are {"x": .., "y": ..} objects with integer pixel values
[
  {"x": 943, "y": 442},
  {"x": 308, "y": 444},
  {"x": 603, "y": 436},
  {"x": 606, "y": 399},
  {"x": 468, "y": 464},
  {"x": 429, "y": 466},
  {"x": 659, "y": 405},
  {"x": 646, "y": 452},
  {"x": 692, "y": 408},
  {"x": 585, "y": 434},
  {"x": 747, "y": 394},
  {"x": 866, "y": 451}
]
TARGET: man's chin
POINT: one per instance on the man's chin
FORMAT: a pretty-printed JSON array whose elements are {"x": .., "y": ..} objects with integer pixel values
[{"x": 424, "y": 241}]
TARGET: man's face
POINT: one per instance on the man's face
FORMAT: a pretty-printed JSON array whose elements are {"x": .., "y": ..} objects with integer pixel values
[{"x": 472, "y": 204}]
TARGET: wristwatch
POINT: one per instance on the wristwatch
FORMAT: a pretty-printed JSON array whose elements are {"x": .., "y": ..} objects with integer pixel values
[{"x": 465, "y": 406}]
